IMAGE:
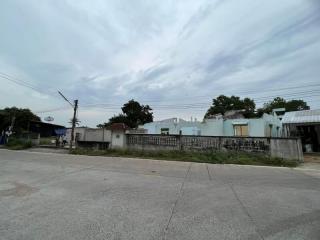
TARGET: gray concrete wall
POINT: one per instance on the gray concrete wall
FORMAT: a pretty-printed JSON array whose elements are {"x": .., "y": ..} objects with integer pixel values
[
  {"x": 93, "y": 145},
  {"x": 80, "y": 131},
  {"x": 97, "y": 135},
  {"x": 151, "y": 147},
  {"x": 287, "y": 148},
  {"x": 212, "y": 127}
]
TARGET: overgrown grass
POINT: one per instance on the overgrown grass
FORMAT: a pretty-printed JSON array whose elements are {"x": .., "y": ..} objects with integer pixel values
[
  {"x": 46, "y": 141},
  {"x": 18, "y": 144},
  {"x": 215, "y": 157}
]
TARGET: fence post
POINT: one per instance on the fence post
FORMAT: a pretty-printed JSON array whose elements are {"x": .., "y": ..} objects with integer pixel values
[
  {"x": 142, "y": 141},
  {"x": 179, "y": 139}
]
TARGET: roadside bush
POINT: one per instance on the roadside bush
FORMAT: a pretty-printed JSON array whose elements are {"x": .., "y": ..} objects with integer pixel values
[{"x": 18, "y": 144}]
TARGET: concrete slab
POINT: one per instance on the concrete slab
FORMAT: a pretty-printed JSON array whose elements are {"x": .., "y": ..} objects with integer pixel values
[{"x": 57, "y": 196}]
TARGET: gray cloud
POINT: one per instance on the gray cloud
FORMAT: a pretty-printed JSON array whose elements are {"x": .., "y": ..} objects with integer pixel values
[{"x": 159, "y": 52}]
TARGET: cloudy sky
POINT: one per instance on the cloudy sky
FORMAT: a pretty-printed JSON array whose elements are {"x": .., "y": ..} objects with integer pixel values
[{"x": 173, "y": 55}]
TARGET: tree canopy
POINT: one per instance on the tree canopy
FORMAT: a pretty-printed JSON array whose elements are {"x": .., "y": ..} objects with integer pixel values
[
  {"x": 224, "y": 103},
  {"x": 133, "y": 114},
  {"x": 278, "y": 102},
  {"x": 22, "y": 117}
]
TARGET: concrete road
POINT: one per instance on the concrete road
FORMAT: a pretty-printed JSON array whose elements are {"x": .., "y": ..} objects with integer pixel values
[{"x": 57, "y": 196}]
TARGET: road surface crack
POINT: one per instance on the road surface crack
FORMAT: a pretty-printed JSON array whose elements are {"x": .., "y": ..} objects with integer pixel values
[
  {"x": 244, "y": 209},
  {"x": 210, "y": 178},
  {"x": 176, "y": 202},
  {"x": 230, "y": 185}
]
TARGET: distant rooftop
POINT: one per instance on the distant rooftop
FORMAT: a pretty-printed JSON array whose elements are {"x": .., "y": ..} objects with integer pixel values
[
  {"x": 118, "y": 126},
  {"x": 305, "y": 116},
  {"x": 176, "y": 120}
]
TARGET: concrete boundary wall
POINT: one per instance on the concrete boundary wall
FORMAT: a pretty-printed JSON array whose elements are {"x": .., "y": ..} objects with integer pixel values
[
  {"x": 97, "y": 135},
  {"x": 286, "y": 148}
]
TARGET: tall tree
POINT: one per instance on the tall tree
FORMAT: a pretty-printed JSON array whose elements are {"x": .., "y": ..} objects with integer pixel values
[
  {"x": 22, "y": 117},
  {"x": 224, "y": 103},
  {"x": 133, "y": 114},
  {"x": 278, "y": 102}
]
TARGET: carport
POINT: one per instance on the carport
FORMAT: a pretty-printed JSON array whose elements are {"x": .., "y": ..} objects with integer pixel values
[
  {"x": 306, "y": 125},
  {"x": 46, "y": 129}
]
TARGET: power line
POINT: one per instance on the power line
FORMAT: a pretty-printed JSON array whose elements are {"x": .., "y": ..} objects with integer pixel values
[
  {"x": 304, "y": 94},
  {"x": 52, "y": 110},
  {"x": 194, "y": 108},
  {"x": 24, "y": 84},
  {"x": 242, "y": 92},
  {"x": 15, "y": 78},
  {"x": 257, "y": 99},
  {"x": 21, "y": 84},
  {"x": 175, "y": 106}
]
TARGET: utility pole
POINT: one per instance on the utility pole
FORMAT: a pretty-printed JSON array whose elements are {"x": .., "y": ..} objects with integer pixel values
[
  {"x": 73, "y": 122},
  {"x": 74, "y": 119}
]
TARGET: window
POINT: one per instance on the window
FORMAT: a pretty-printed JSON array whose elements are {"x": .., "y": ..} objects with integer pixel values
[
  {"x": 241, "y": 130},
  {"x": 165, "y": 131}
]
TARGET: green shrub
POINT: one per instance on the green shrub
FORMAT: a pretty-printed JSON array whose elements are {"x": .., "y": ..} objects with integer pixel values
[{"x": 18, "y": 144}]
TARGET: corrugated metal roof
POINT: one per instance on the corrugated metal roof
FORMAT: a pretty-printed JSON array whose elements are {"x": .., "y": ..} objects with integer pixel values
[{"x": 306, "y": 116}]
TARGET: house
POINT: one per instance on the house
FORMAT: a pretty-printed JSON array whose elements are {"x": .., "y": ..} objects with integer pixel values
[
  {"x": 173, "y": 126},
  {"x": 269, "y": 125},
  {"x": 118, "y": 135},
  {"x": 304, "y": 124},
  {"x": 234, "y": 124}
]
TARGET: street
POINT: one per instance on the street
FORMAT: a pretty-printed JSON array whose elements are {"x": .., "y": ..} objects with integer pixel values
[{"x": 60, "y": 196}]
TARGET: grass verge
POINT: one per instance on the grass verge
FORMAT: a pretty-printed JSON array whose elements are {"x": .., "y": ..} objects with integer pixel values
[
  {"x": 215, "y": 157},
  {"x": 18, "y": 144},
  {"x": 46, "y": 141}
]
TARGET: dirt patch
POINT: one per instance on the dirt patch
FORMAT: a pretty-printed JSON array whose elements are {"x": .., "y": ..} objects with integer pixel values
[
  {"x": 311, "y": 157},
  {"x": 19, "y": 190}
]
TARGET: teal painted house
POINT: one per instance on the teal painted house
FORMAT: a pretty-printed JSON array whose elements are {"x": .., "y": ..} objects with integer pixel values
[
  {"x": 266, "y": 126},
  {"x": 269, "y": 125}
]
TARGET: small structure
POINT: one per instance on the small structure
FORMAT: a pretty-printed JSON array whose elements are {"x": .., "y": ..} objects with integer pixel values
[
  {"x": 306, "y": 125},
  {"x": 101, "y": 138},
  {"x": 118, "y": 135},
  {"x": 98, "y": 138}
]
